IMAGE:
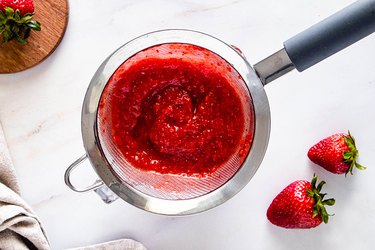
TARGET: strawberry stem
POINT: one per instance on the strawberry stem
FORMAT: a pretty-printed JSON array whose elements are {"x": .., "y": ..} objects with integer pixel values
[
  {"x": 319, "y": 207},
  {"x": 350, "y": 157},
  {"x": 13, "y": 25}
]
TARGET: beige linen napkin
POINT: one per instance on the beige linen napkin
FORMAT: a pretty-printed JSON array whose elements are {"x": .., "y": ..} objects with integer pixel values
[
  {"x": 19, "y": 227},
  {"x": 124, "y": 244}
]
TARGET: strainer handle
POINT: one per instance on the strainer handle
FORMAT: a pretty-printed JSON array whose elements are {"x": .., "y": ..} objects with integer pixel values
[
  {"x": 69, "y": 170},
  {"x": 320, "y": 41},
  {"x": 331, "y": 35}
]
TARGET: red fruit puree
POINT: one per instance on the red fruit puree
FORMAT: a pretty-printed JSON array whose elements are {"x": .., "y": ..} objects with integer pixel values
[{"x": 173, "y": 115}]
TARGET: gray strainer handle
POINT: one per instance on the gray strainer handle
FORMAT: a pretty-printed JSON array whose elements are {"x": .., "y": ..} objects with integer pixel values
[
  {"x": 331, "y": 35},
  {"x": 97, "y": 184},
  {"x": 320, "y": 41}
]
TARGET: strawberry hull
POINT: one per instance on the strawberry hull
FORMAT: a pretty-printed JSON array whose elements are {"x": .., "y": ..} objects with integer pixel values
[{"x": 16, "y": 20}]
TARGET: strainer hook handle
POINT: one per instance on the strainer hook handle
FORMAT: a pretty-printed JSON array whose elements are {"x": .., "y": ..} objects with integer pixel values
[{"x": 69, "y": 170}]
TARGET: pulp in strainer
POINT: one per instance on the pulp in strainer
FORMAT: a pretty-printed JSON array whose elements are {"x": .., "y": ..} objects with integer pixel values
[{"x": 175, "y": 121}]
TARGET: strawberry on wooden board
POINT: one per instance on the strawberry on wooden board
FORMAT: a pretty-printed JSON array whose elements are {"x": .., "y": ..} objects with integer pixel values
[
  {"x": 336, "y": 153},
  {"x": 300, "y": 205},
  {"x": 16, "y": 20}
]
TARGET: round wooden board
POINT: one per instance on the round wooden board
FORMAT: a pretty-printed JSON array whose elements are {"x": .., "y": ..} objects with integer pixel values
[{"x": 53, "y": 16}]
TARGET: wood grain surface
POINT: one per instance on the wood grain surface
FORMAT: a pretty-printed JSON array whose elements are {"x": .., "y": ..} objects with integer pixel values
[{"x": 53, "y": 16}]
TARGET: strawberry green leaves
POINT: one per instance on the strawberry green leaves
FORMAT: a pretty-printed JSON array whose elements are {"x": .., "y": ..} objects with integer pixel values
[
  {"x": 350, "y": 156},
  {"x": 13, "y": 25},
  {"x": 320, "y": 203}
]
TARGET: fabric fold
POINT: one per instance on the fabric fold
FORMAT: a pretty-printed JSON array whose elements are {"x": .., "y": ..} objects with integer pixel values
[{"x": 20, "y": 228}]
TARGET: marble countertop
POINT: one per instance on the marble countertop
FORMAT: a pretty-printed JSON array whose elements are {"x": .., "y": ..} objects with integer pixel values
[{"x": 40, "y": 110}]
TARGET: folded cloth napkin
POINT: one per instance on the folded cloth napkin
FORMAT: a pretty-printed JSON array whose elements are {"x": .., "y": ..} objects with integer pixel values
[
  {"x": 124, "y": 244},
  {"x": 19, "y": 226}
]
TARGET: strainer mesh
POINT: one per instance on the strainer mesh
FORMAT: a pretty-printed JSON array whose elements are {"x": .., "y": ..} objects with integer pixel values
[{"x": 169, "y": 185}]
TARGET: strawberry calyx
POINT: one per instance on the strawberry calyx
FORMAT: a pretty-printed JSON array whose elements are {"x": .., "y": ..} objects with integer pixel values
[
  {"x": 13, "y": 25},
  {"x": 350, "y": 156},
  {"x": 320, "y": 203}
]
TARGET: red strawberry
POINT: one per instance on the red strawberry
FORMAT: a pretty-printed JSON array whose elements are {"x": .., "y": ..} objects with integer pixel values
[
  {"x": 16, "y": 20},
  {"x": 24, "y": 6},
  {"x": 336, "y": 153},
  {"x": 299, "y": 205}
]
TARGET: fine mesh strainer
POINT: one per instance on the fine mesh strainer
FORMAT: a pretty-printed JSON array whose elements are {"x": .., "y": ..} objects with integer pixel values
[
  {"x": 179, "y": 194},
  {"x": 168, "y": 185},
  {"x": 174, "y": 193}
]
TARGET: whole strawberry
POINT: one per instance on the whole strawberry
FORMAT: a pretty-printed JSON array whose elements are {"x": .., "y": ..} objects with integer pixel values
[
  {"x": 336, "y": 153},
  {"x": 300, "y": 205},
  {"x": 16, "y": 20}
]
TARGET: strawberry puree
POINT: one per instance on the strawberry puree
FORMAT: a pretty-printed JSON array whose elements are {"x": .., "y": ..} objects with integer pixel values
[{"x": 174, "y": 116}]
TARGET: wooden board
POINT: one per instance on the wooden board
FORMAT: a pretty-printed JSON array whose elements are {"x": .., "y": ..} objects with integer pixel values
[{"x": 53, "y": 16}]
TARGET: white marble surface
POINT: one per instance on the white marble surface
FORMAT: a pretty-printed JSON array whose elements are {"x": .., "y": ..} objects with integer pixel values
[{"x": 40, "y": 112}]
